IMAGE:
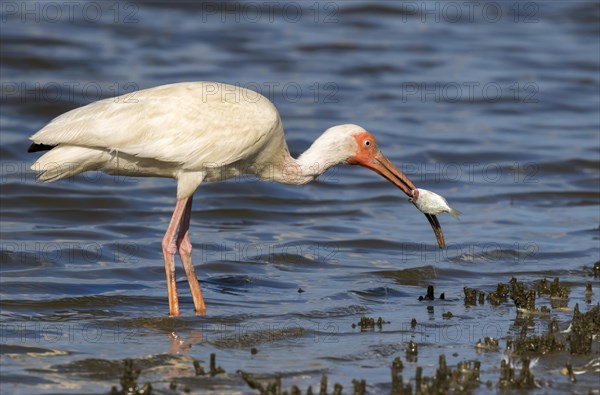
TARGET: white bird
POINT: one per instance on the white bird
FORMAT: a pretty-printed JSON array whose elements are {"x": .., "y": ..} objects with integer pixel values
[
  {"x": 196, "y": 132},
  {"x": 431, "y": 203}
]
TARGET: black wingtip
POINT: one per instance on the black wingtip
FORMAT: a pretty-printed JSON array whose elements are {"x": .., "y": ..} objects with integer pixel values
[{"x": 34, "y": 147}]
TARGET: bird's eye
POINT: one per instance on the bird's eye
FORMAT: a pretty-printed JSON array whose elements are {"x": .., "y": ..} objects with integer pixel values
[{"x": 367, "y": 143}]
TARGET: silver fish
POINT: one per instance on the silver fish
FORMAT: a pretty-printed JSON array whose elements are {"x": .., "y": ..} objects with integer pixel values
[{"x": 431, "y": 203}]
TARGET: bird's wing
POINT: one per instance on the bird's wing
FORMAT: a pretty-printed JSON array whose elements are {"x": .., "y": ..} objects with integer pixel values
[{"x": 178, "y": 123}]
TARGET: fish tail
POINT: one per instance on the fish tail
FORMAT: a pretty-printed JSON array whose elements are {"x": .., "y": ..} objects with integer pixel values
[{"x": 455, "y": 213}]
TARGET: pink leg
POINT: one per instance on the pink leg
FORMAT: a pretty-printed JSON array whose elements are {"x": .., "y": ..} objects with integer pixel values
[
  {"x": 185, "y": 253},
  {"x": 169, "y": 248}
]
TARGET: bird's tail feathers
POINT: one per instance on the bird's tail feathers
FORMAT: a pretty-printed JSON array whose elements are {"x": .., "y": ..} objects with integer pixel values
[{"x": 67, "y": 161}]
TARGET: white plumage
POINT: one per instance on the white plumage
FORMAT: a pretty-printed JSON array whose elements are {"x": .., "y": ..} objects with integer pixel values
[
  {"x": 195, "y": 132},
  {"x": 179, "y": 125}
]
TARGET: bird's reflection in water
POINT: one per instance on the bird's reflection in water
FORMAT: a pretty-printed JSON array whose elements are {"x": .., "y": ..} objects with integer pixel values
[{"x": 183, "y": 345}]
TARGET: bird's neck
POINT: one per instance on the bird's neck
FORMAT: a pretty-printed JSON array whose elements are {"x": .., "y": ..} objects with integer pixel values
[{"x": 310, "y": 164}]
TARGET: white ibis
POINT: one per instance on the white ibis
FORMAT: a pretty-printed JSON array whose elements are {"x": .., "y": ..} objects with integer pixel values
[{"x": 195, "y": 132}]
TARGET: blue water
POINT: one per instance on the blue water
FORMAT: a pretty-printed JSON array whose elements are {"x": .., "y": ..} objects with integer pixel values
[{"x": 495, "y": 105}]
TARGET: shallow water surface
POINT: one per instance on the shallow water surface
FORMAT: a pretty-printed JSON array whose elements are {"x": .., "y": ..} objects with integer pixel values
[{"x": 497, "y": 110}]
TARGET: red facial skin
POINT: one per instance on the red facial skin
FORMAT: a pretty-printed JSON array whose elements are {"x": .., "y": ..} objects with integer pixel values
[{"x": 368, "y": 155}]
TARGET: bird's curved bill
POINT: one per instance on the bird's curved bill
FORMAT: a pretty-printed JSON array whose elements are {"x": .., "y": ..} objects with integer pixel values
[{"x": 382, "y": 165}]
